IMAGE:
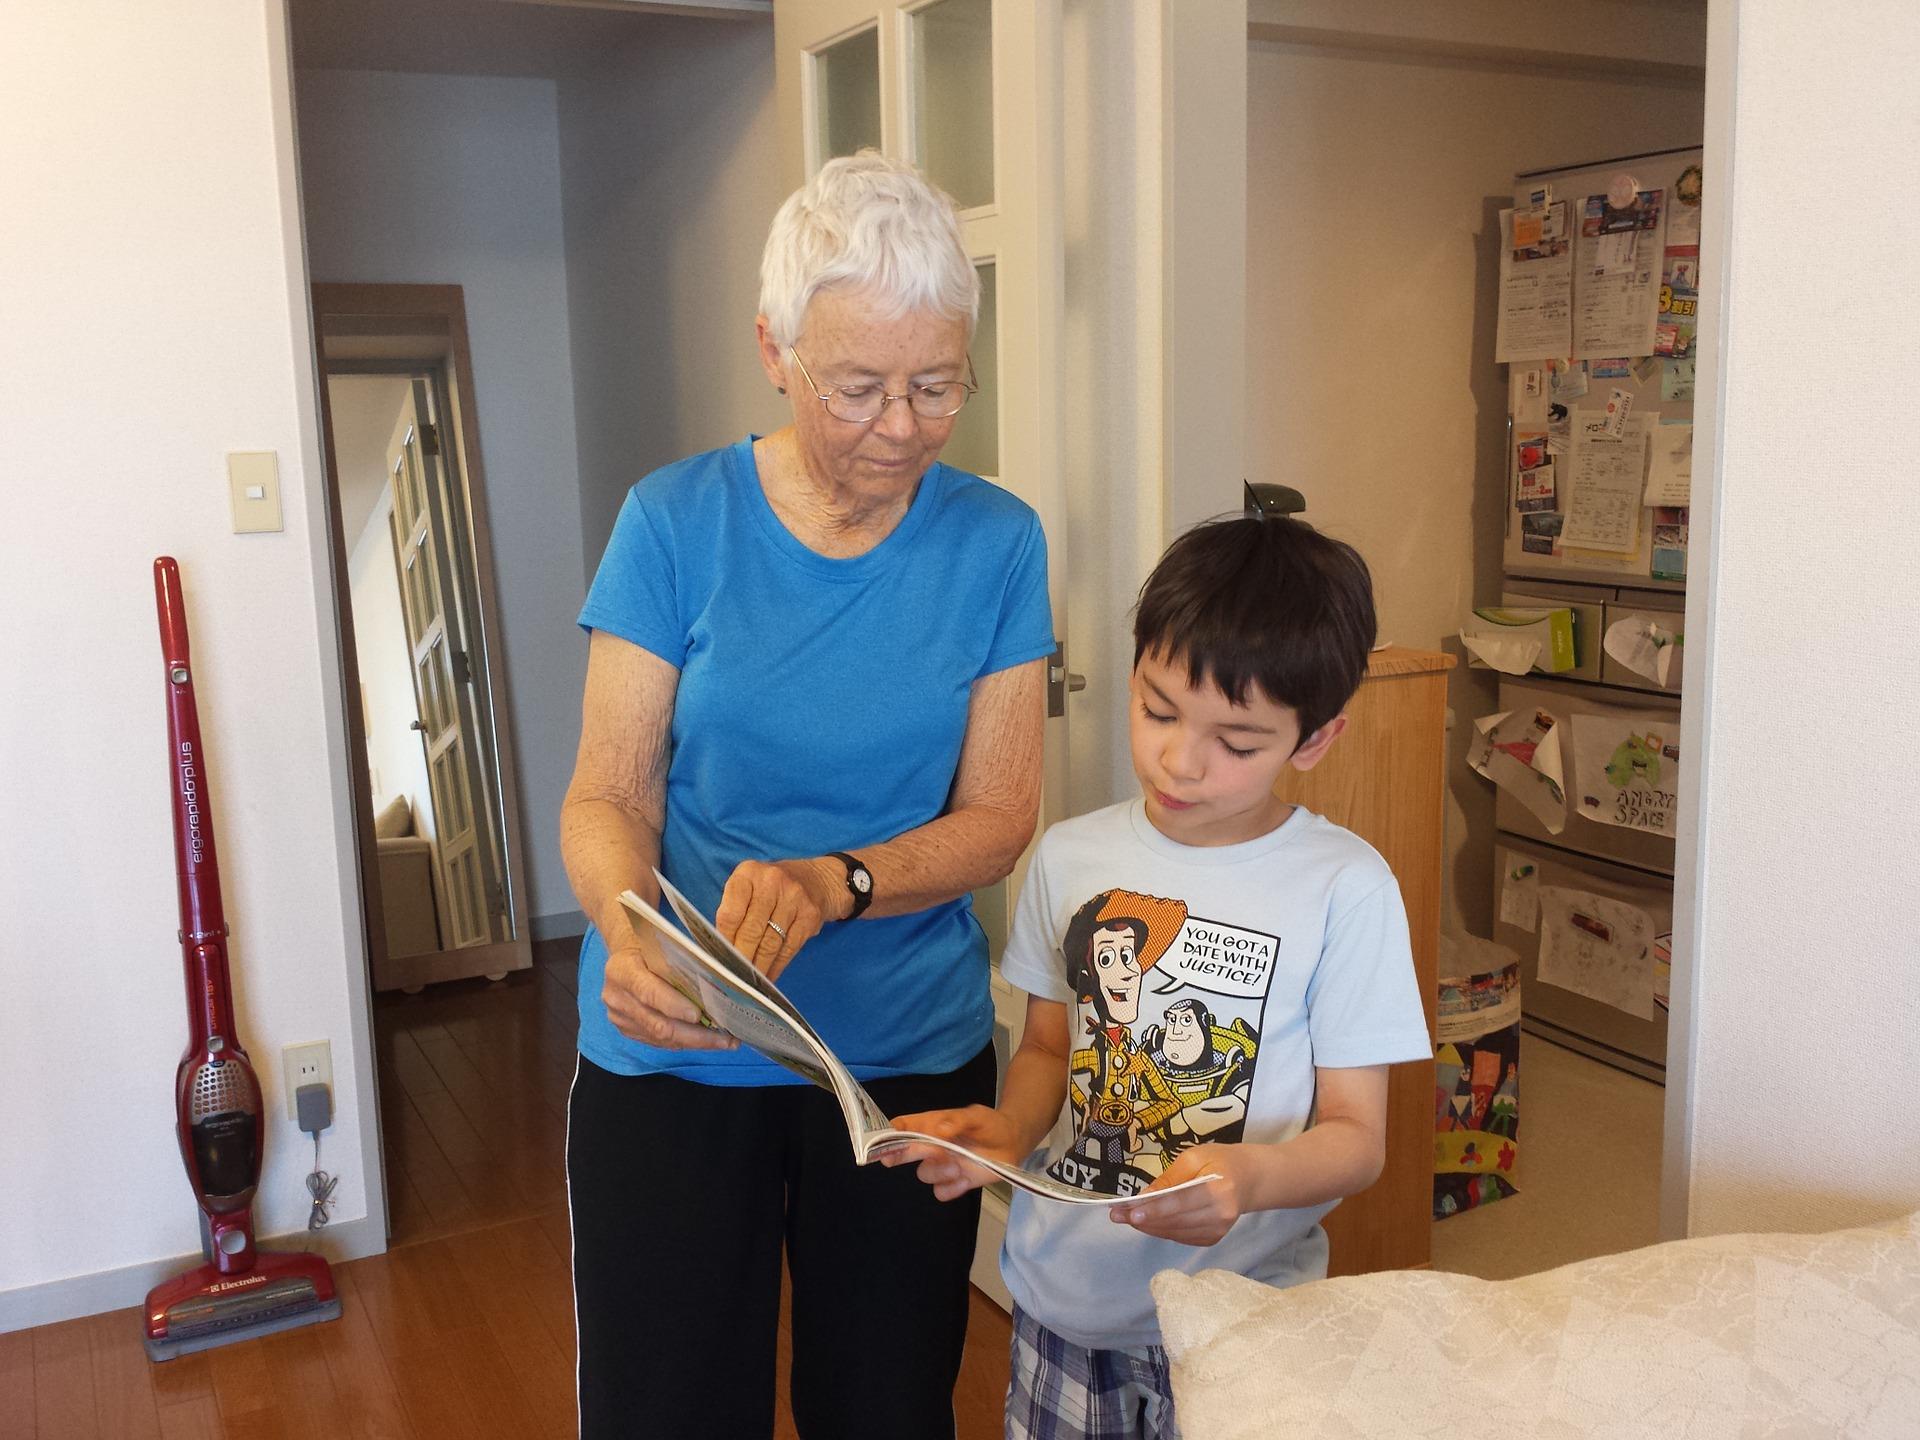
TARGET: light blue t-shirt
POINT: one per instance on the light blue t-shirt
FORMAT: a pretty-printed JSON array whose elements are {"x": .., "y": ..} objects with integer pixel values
[
  {"x": 1204, "y": 985},
  {"x": 821, "y": 706}
]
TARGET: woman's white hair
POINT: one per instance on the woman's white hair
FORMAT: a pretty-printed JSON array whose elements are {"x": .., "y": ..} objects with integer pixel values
[{"x": 872, "y": 224}]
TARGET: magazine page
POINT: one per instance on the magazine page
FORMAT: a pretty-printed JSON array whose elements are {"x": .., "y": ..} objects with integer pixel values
[
  {"x": 726, "y": 1003},
  {"x": 1032, "y": 1180},
  {"x": 862, "y": 1114},
  {"x": 736, "y": 997},
  {"x": 723, "y": 953}
]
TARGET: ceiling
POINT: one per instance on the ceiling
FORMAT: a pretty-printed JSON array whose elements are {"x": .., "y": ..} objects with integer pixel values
[{"x": 528, "y": 38}]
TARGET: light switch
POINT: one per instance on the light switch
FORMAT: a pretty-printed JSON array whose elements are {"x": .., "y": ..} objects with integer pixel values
[{"x": 253, "y": 481}]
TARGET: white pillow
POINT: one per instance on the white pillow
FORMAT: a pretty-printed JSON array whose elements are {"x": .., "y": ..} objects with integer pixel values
[{"x": 1731, "y": 1335}]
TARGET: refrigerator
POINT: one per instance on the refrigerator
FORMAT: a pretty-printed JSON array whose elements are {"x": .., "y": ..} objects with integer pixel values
[{"x": 1599, "y": 342}]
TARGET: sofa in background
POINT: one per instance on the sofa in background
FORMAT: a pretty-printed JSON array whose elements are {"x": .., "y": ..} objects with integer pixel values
[
  {"x": 1723, "y": 1336},
  {"x": 406, "y": 883}
]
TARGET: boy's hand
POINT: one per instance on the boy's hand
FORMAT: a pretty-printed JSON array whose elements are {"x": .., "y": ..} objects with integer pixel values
[
  {"x": 977, "y": 1127},
  {"x": 1202, "y": 1215}
]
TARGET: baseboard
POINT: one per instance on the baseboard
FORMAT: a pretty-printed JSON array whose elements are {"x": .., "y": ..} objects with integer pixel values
[
  {"x": 80, "y": 1295},
  {"x": 560, "y": 925}
]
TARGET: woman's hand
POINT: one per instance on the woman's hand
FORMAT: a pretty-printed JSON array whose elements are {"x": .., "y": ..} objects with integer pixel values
[
  {"x": 769, "y": 910},
  {"x": 1202, "y": 1215},
  {"x": 645, "y": 1005},
  {"x": 977, "y": 1127}
]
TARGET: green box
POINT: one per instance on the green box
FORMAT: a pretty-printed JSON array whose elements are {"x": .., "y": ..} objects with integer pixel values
[{"x": 1553, "y": 629}]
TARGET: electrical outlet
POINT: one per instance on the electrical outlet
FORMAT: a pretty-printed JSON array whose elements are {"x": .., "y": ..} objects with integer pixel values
[{"x": 306, "y": 1065}]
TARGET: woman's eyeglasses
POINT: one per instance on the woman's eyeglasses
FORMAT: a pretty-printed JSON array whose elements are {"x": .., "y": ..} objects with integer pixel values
[{"x": 863, "y": 404}]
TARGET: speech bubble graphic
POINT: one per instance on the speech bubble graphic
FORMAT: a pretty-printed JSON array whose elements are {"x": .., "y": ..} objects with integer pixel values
[{"x": 1222, "y": 959}]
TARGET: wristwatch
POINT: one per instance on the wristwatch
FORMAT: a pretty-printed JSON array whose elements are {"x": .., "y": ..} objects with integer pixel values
[{"x": 859, "y": 882}]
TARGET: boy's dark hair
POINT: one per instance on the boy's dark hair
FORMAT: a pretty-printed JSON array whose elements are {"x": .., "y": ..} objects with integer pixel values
[{"x": 1268, "y": 602}]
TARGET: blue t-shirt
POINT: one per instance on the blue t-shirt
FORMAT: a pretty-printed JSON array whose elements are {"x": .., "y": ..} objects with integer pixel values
[{"x": 821, "y": 706}]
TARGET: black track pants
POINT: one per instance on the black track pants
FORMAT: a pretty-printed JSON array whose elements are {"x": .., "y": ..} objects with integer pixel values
[{"x": 683, "y": 1196}]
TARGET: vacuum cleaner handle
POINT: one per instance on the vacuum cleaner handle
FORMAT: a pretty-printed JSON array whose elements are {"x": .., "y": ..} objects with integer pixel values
[{"x": 203, "y": 924}]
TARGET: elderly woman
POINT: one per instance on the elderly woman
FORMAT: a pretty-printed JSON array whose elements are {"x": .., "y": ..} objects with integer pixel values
[{"x": 814, "y": 700}]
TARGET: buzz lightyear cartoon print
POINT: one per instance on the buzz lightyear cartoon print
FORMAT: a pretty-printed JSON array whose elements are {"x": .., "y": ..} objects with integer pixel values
[{"x": 1167, "y": 1025}]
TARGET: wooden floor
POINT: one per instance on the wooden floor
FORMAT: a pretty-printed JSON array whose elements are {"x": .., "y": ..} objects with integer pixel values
[{"x": 465, "y": 1327}]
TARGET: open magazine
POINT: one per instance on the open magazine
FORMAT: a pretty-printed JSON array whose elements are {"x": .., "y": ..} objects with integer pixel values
[{"x": 735, "y": 997}]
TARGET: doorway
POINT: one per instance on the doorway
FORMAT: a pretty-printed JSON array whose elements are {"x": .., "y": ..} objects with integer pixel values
[
  {"x": 1425, "y": 497},
  {"x": 435, "y": 784},
  {"x": 433, "y": 767}
]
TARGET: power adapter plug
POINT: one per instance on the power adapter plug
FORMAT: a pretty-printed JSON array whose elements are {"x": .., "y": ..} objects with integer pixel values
[{"x": 314, "y": 1105}]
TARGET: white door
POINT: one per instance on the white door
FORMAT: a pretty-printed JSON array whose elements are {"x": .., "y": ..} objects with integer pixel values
[
  {"x": 470, "y": 889},
  {"x": 968, "y": 90}
]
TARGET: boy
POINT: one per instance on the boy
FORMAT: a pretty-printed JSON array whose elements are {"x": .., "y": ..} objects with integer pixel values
[{"x": 1217, "y": 982}]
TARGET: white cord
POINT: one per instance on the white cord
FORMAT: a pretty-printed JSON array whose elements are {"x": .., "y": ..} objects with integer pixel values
[{"x": 320, "y": 1187}]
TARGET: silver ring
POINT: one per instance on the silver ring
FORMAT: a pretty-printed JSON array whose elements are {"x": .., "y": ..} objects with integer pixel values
[{"x": 776, "y": 930}]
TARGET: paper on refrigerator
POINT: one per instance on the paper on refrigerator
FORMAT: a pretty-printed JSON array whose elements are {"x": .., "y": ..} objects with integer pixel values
[
  {"x": 1536, "y": 288},
  {"x": 1598, "y": 947},
  {"x": 1519, "y": 750},
  {"x": 1606, "y": 476},
  {"x": 1619, "y": 256},
  {"x": 1566, "y": 380},
  {"x": 1626, "y": 768},
  {"x": 1519, "y": 891},
  {"x": 1670, "y": 465}
]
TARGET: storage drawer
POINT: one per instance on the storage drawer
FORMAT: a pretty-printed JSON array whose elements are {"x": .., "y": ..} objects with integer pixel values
[
  {"x": 1669, "y": 619},
  {"x": 1646, "y": 849},
  {"x": 1578, "y": 1017}
]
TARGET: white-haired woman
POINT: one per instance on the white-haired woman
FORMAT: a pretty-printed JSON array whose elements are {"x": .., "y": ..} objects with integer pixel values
[{"x": 814, "y": 699}]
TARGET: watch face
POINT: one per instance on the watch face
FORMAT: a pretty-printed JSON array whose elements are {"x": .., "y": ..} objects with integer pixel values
[{"x": 861, "y": 880}]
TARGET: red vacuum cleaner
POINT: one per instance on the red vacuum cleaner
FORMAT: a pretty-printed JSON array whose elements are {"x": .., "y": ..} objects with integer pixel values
[{"x": 240, "y": 1292}]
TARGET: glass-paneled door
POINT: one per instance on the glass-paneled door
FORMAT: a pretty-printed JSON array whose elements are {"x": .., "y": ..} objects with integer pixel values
[{"x": 969, "y": 90}]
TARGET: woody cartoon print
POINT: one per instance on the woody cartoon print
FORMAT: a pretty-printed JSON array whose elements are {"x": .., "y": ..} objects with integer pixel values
[{"x": 1161, "y": 1064}]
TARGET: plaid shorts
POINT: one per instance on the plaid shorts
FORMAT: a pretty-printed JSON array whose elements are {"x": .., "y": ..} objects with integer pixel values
[{"x": 1063, "y": 1391}]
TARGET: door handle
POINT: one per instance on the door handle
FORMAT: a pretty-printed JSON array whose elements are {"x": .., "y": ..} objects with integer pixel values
[
  {"x": 419, "y": 725},
  {"x": 1060, "y": 682}
]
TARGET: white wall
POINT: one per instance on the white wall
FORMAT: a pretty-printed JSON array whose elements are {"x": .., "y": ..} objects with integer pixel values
[
  {"x": 447, "y": 179},
  {"x": 1796, "y": 897},
  {"x": 363, "y": 411},
  {"x": 1374, "y": 184},
  {"x": 155, "y": 320},
  {"x": 671, "y": 178}
]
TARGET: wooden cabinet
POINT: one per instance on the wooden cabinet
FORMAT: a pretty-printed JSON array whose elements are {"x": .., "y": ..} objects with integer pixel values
[{"x": 1384, "y": 780}]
